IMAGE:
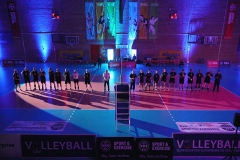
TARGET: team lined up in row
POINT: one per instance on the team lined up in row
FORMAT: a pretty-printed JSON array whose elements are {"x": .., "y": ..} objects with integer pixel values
[
  {"x": 173, "y": 74},
  {"x": 53, "y": 76}
]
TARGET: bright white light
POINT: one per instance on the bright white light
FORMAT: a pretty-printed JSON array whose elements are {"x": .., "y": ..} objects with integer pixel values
[
  {"x": 110, "y": 54},
  {"x": 134, "y": 52}
]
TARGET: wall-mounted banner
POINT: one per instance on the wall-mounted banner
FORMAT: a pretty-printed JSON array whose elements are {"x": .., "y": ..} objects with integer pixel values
[
  {"x": 71, "y": 54},
  {"x": 173, "y": 54},
  {"x": 213, "y": 63},
  {"x": 90, "y": 17},
  {"x": 58, "y": 145},
  {"x": 206, "y": 127},
  {"x": 143, "y": 23},
  {"x": 37, "y": 126},
  {"x": 154, "y": 148},
  {"x": 14, "y": 19},
  {"x": 100, "y": 20},
  {"x": 200, "y": 144},
  {"x": 133, "y": 20},
  {"x": 115, "y": 148},
  {"x": 111, "y": 20},
  {"x": 10, "y": 145},
  {"x": 230, "y": 19},
  {"x": 153, "y": 20}
]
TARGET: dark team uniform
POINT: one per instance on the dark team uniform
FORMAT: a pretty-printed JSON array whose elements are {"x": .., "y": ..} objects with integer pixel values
[
  {"x": 26, "y": 76},
  {"x": 148, "y": 77},
  {"x": 35, "y": 76},
  {"x": 156, "y": 78},
  {"x": 87, "y": 78},
  {"x": 190, "y": 77},
  {"x": 51, "y": 76},
  {"x": 16, "y": 78},
  {"x": 172, "y": 77},
  {"x": 208, "y": 77},
  {"x": 141, "y": 77},
  {"x": 67, "y": 77},
  {"x": 164, "y": 76},
  {"x": 58, "y": 77},
  {"x": 42, "y": 76},
  {"x": 132, "y": 76},
  {"x": 181, "y": 77},
  {"x": 218, "y": 77},
  {"x": 199, "y": 77}
]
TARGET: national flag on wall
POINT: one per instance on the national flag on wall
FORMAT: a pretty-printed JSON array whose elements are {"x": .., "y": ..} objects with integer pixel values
[
  {"x": 230, "y": 19},
  {"x": 14, "y": 19}
]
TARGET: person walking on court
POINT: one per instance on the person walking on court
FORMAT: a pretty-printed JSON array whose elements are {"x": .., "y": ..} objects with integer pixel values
[
  {"x": 207, "y": 80},
  {"x": 16, "y": 79},
  {"x": 181, "y": 79},
  {"x": 75, "y": 79},
  {"x": 51, "y": 78},
  {"x": 26, "y": 75},
  {"x": 172, "y": 79},
  {"x": 106, "y": 77},
  {"x": 87, "y": 78},
  {"x": 190, "y": 79},
  {"x": 148, "y": 80},
  {"x": 199, "y": 77},
  {"x": 35, "y": 78},
  {"x": 42, "y": 75},
  {"x": 132, "y": 77},
  {"x": 141, "y": 80},
  {"x": 67, "y": 77},
  {"x": 218, "y": 77},
  {"x": 155, "y": 80}
]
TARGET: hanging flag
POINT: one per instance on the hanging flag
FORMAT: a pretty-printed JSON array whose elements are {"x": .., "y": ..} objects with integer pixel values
[
  {"x": 153, "y": 20},
  {"x": 14, "y": 19},
  {"x": 133, "y": 20},
  {"x": 100, "y": 20},
  {"x": 110, "y": 20},
  {"x": 143, "y": 23},
  {"x": 89, "y": 13},
  {"x": 230, "y": 19}
]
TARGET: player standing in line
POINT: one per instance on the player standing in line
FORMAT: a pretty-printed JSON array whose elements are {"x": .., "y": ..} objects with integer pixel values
[
  {"x": 207, "y": 80},
  {"x": 67, "y": 77},
  {"x": 181, "y": 79},
  {"x": 218, "y": 77},
  {"x": 58, "y": 78},
  {"x": 164, "y": 78},
  {"x": 16, "y": 79},
  {"x": 87, "y": 78},
  {"x": 190, "y": 79},
  {"x": 42, "y": 75},
  {"x": 26, "y": 75},
  {"x": 132, "y": 77},
  {"x": 148, "y": 80},
  {"x": 106, "y": 77},
  {"x": 172, "y": 79},
  {"x": 155, "y": 80},
  {"x": 75, "y": 79},
  {"x": 199, "y": 77},
  {"x": 51, "y": 78},
  {"x": 35, "y": 78},
  {"x": 141, "y": 80}
]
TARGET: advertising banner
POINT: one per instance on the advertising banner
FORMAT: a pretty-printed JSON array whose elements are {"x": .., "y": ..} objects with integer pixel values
[
  {"x": 58, "y": 145},
  {"x": 154, "y": 148},
  {"x": 71, "y": 54},
  {"x": 200, "y": 144},
  {"x": 230, "y": 19},
  {"x": 153, "y": 20},
  {"x": 14, "y": 19},
  {"x": 224, "y": 63},
  {"x": 10, "y": 145},
  {"x": 143, "y": 21},
  {"x": 206, "y": 127},
  {"x": 115, "y": 148},
  {"x": 213, "y": 63},
  {"x": 90, "y": 17},
  {"x": 173, "y": 54}
]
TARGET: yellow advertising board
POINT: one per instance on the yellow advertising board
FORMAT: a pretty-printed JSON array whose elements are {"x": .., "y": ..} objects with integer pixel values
[
  {"x": 71, "y": 54},
  {"x": 174, "y": 54}
]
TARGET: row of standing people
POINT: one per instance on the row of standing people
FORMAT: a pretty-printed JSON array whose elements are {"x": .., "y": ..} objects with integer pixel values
[
  {"x": 149, "y": 79},
  {"x": 53, "y": 77}
]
